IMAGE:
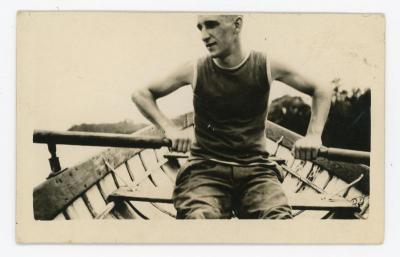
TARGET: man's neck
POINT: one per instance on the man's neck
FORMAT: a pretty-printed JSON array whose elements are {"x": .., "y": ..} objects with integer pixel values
[{"x": 233, "y": 59}]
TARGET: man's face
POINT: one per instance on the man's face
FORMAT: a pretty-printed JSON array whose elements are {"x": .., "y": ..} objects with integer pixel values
[{"x": 219, "y": 34}]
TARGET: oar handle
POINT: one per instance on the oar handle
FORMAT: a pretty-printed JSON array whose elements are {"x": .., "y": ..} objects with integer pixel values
[
  {"x": 98, "y": 139},
  {"x": 345, "y": 155}
]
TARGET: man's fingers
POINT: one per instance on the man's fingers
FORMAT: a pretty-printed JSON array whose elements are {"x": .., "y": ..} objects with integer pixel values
[
  {"x": 180, "y": 145},
  {"x": 185, "y": 145},
  {"x": 307, "y": 153},
  {"x": 306, "y": 149},
  {"x": 314, "y": 153},
  {"x": 188, "y": 144},
  {"x": 311, "y": 153},
  {"x": 302, "y": 154},
  {"x": 297, "y": 153},
  {"x": 174, "y": 144}
]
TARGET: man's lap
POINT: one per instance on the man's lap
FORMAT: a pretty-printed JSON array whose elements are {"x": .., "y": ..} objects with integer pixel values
[{"x": 206, "y": 189}]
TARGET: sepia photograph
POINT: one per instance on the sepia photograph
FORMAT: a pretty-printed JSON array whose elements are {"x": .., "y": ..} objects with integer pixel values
[{"x": 135, "y": 123}]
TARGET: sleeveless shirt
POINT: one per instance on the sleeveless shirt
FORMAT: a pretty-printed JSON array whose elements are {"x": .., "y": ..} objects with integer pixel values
[{"x": 230, "y": 108}]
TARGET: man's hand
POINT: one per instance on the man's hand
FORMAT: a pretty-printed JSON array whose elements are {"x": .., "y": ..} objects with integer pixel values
[
  {"x": 181, "y": 140},
  {"x": 307, "y": 148}
]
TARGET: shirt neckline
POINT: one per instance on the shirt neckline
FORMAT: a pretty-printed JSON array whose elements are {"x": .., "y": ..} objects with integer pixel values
[{"x": 234, "y": 67}]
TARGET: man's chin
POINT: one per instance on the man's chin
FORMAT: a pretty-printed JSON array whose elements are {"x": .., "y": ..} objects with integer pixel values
[{"x": 214, "y": 54}]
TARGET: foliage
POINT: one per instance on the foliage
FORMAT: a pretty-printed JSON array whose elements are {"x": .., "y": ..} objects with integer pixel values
[{"x": 349, "y": 121}]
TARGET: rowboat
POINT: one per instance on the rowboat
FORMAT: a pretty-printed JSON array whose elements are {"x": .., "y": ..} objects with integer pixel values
[{"x": 134, "y": 178}]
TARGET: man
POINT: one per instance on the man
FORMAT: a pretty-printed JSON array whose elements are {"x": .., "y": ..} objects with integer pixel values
[{"x": 228, "y": 172}]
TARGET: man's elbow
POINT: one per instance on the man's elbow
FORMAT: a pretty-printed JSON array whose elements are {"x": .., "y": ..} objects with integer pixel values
[
  {"x": 140, "y": 94},
  {"x": 324, "y": 90}
]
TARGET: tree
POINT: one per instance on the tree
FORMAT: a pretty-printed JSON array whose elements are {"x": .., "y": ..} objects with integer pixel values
[{"x": 349, "y": 121}]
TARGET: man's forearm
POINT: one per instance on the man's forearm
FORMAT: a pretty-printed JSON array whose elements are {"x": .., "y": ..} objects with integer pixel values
[
  {"x": 146, "y": 103},
  {"x": 321, "y": 102}
]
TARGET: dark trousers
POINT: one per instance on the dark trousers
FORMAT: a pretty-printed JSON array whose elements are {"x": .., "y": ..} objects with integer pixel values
[{"x": 210, "y": 190}]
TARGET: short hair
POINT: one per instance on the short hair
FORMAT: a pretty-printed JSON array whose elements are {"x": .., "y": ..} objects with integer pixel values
[{"x": 232, "y": 17}]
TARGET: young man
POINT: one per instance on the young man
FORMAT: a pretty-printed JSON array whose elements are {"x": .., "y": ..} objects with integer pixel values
[{"x": 228, "y": 171}]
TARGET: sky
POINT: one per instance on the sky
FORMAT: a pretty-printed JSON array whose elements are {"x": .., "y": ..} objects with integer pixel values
[{"x": 82, "y": 67}]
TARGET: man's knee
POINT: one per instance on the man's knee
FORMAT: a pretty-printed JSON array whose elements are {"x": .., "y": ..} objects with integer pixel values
[{"x": 277, "y": 212}]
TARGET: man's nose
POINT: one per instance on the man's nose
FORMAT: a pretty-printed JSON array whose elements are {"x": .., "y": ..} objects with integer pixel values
[{"x": 205, "y": 36}]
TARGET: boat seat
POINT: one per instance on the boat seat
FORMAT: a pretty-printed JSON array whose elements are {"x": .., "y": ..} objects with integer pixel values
[
  {"x": 297, "y": 201},
  {"x": 176, "y": 156},
  {"x": 126, "y": 193}
]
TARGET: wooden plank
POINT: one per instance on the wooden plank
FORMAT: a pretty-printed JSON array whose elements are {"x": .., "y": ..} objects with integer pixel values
[
  {"x": 310, "y": 214},
  {"x": 105, "y": 212},
  {"x": 171, "y": 170},
  {"x": 150, "y": 211},
  {"x": 137, "y": 168},
  {"x": 167, "y": 208},
  {"x": 79, "y": 210},
  {"x": 149, "y": 159},
  {"x": 270, "y": 146},
  {"x": 128, "y": 168},
  {"x": 316, "y": 202},
  {"x": 311, "y": 176},
  {"x": 285, "y": 154},
  {"x": 107, "y": 184},
  {"x": 161, "y": 179},
  {"x": 334, "y": 185},
  {"x": 304, "y": 168},
  {"x": 71, "y": 213},
  {"x": 143, "y": 194},
  {"x": 160, "y": 154},
  {"x": 96, "y": 200},
  {"x": 296, "y": 180},
  {"x": 297, "y": 201},
  {"x": 322, "y": 178},
  {"x": 122, "y": 176}
]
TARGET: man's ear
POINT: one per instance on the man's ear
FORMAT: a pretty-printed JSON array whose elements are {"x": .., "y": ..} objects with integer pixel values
[{"x": 238, "y": 24}]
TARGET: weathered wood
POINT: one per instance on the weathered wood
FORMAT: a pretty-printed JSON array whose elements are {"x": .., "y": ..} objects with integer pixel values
[
  {"x": 346, "y": 171},
  {"x": 317, "y": 202},
  {"x": 96, "y": 200},
  {"x": 79, "y": 210},
  {"x": 58, "y": 192},
  {"x": 57, "y": 195},
  {"x": 107, "y": 185},
  {"x": 106, "y": 211},
  {"x": 127, "y": 194},
  {"x": 51, "y": 196},
  {"x": 297, "y": 201},
  {"x": 148, "y": 210}
]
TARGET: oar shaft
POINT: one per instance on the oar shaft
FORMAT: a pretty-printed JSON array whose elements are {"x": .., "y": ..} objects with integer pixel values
[
  {"x": 118, "y": 140},
  {"x": 98, "y": 139},
  {"x": 346, "y": 155}
]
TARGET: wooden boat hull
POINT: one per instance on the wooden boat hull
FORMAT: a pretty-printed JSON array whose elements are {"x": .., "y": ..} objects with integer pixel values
[{"x": 126, "y": 183}]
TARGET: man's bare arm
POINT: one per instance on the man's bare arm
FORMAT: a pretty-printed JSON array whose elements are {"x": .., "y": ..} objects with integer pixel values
[
  {"x": 145, "y": 99},
  {"x": 307, "y": 148}
]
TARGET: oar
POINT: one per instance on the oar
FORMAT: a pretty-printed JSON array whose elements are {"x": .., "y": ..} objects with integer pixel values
[
  {"x": 118, "y": 140},
  {"x": 98, "y": 139},
  {"x": 345, "y": 155}
]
